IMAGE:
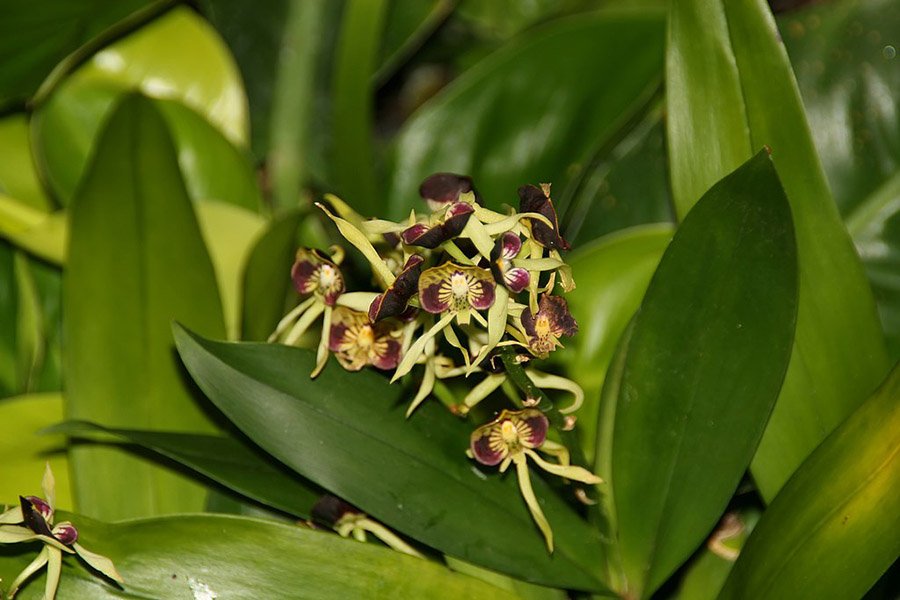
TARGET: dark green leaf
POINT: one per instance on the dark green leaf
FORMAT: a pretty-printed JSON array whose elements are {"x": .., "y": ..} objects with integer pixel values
[
  {"x": 407, "y": 24},
  {"x": 207, "y": 556},
  {"x": 612, "y": 275},
  {"x": 845, "y": 56},
  {"x": 529, "y": 113},
  {"x": 837, "y": 517},
  {"x": 32, "y": 42},
  {"x": 347, "y": 432},
  {"x": 237, "y": 465},
  {"x": 726, "y": 74},
  {"x": 266, "y": 280},
  {"x": 136, "y": 262},
  {"x": 626, "y": 186},
  {"x": 704, "y": 366},
  {"x": 9, "y": 321}
]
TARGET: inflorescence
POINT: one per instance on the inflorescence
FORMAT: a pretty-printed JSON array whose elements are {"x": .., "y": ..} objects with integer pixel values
[{"x": 480, "y": 280}]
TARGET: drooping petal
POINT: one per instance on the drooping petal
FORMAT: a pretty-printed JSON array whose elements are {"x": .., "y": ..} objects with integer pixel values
[
  {"x": 537, "y": 199},
  {"x": 98, "y": 562},
  {"x": 394, "y": 300},
  {"x": 440, "y": 189}
]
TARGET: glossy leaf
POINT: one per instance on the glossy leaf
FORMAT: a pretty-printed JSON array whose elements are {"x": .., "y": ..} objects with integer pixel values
[
  {"x": 837, "y": 517},
  {"x": 349, "y": 434},
  {"x": 33, "y": 42},
  {"x": 845, "y": 57},
  {"x": 528, "y": 113},
  {"x": 23, "y": 453},
  {"x": 707, "y": 378},
  {"x": 407, "y": 25},
  {"x": 625, "y": 187},
  {"x": 136, "y": 262},
  {"x": 612, "y": 275},
  {"x": 266, "y": 284},
  {"x": 726, "y": 71},
  {"x": 235, "y": 464},
  {"x": 9, "y": 322},
  {"x": 216, "y": 556},
  {"x": 18, "y": 175},
  {"x": 177, "y": 58}
]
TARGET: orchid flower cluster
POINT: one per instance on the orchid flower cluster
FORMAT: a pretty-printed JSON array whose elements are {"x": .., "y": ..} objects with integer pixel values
[
  {"x": 463, "y": 274},
  {"x": 32, "y": 521}
]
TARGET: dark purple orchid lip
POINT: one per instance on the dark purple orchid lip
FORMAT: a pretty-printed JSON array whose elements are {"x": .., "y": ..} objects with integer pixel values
[
  {"x": 454, "y": 287},
  {"x": 508, "y": 434},
  {"x": 393, "y": 302},
  {"x": 356, "y": 341},
  {"x": 441, "y": 189},
  {"x": 313, "y": 272},
  {"x": 537, "y": 200}
]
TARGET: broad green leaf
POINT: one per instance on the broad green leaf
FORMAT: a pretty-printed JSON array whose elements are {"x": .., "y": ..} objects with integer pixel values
[
  {"x": 726, "y": 73},
  {"x": 231, "y": 462},
  {"x": 612, "y": 275},
  {"x": 214, "y": 556},
  {"x": 18, "y": 175},
  {"x": 624, "y": 187},
  {"x": 266, "y": 283},
  {"x": 528, "y": 113},
  {"x": 136, "y": 262},
  {"x": 704, "y": 365},
  {"x": 9, "y": 322},
  {"x": 349, "y": 434},
  {"x": 845, "y": 56},
  {"x": 33, "y": 42},
  {"x": 836, "y": 518},
  {"x": 24, "y": 454},
  {"x": 176, "y": 58}
]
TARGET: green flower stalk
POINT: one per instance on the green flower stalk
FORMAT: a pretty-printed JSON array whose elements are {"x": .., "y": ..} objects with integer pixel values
[{"x": 32, "y": 521}]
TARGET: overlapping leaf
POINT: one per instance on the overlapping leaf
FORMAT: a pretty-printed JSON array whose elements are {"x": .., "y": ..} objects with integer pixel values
[
  {"x": 348, "y": 433},
  {"x": 704, "y": 365}
]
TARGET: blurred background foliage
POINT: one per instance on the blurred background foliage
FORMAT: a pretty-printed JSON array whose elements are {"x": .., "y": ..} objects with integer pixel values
[{"x": 258, "y": 108}]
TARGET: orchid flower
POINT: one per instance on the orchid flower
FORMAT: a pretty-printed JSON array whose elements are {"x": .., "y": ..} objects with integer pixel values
[
  {"x": 32, "y": 521},
  {"x": 512, "y": 438}
]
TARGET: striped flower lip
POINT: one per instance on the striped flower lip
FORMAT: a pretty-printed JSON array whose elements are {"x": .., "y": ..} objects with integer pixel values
[
  {"x": 313, "y": 273},
  {"x": 441, "y": 189},
  {"x": 537, "y": 199},
  {"x": 451, "y": 287},
  {"x": 551, "y": 322},
  {"x": 508, "y": 435},
  {"x": 357, "y": 342},
  {"x": 450, "y": 226},
  {"x": 505, "y": 250},
  {"x": 393, "y": 302}
]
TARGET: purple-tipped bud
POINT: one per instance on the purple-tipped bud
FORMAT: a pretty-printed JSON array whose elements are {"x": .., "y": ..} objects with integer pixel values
[
  {"x": 65, "y": 533},
  {"x": 505, "y": 250}
]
